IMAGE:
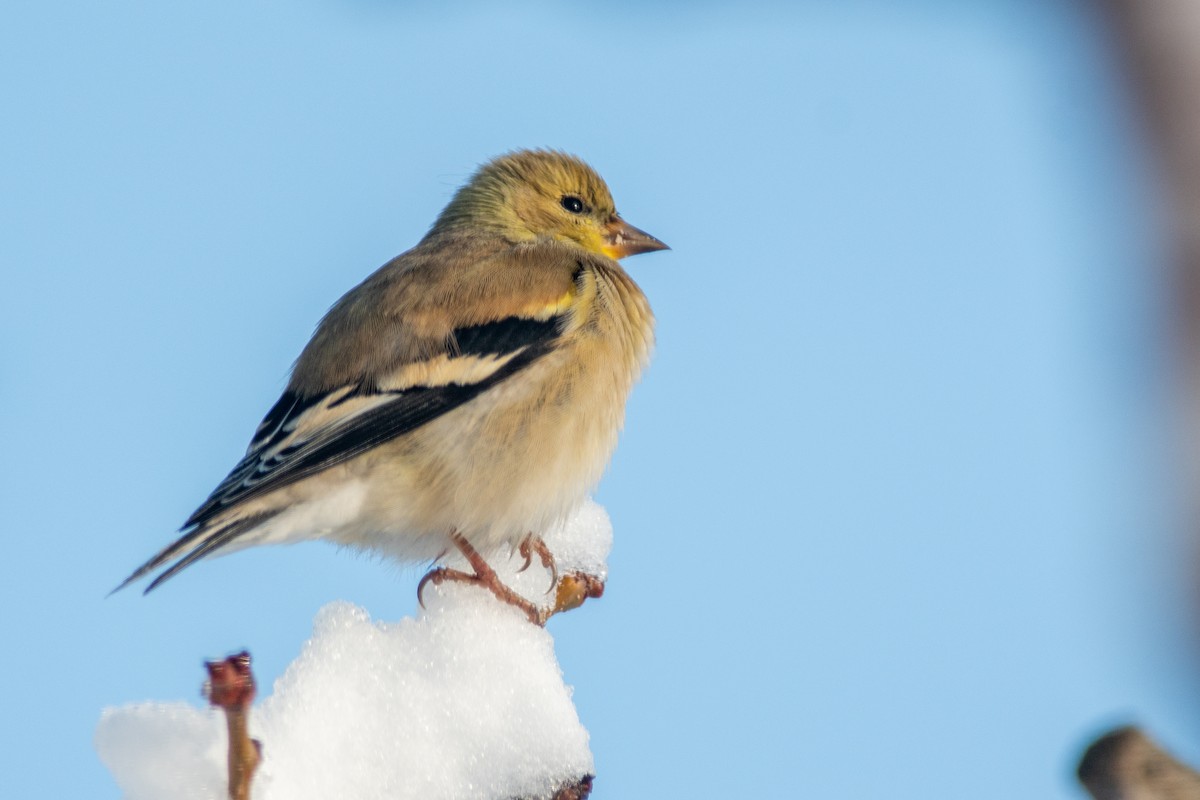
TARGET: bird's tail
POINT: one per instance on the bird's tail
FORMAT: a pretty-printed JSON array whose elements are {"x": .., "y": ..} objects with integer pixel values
[{"x": 196, "y": 543}]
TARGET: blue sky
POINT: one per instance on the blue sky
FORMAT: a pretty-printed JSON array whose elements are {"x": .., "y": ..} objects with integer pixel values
[{"x": 894, "y": 508}]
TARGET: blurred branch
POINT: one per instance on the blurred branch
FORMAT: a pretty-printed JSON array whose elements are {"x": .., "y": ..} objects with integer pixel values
[
  {"x": 1160, "y": 42},
  {"x": 230, "y": 686},
  {"x": 1125, "y": 764}
]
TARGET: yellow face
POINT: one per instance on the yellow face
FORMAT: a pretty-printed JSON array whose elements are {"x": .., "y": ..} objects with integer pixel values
[
  {"x": 558, "y": 197},
  {"x": 544, "y": 194}
]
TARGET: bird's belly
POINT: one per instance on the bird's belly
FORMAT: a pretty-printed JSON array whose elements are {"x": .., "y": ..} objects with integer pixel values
[{"x": 516, "y": 460}]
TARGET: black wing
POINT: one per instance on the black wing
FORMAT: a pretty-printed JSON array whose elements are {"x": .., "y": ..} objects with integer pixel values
[{"x": 302, "y": 436}]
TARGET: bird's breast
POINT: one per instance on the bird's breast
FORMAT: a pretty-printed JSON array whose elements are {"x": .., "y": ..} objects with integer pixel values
[{"x": 521, "y": 456}]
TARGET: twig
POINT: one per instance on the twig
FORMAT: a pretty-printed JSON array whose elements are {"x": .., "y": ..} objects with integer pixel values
[
  {"x": 230, "y": 686},
  {"x": 579, "y": 791},
  {"x": 1160, "y": 44},
  {"x": 1125, "y": 764},
  {"x": 575, "y": 790}
]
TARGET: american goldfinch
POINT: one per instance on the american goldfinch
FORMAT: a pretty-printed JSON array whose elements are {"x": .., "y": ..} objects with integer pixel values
[{"x": 467, "y": 394}]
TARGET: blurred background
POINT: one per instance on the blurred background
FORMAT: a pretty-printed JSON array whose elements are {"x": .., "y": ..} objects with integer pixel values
[{"x": 901, "y": 508}]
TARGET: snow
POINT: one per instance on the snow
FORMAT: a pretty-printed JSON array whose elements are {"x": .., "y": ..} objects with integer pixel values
[{"x": 465, "y": 700}]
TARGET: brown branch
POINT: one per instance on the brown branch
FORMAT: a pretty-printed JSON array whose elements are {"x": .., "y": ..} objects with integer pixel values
[
  {"x": 575, "y": 790},
  {"x": 1125, "y": 764},
  {"x": 230, "y": 686},
  {"x": 580, "y": 790},
  {"x": 574, "y": 588}
]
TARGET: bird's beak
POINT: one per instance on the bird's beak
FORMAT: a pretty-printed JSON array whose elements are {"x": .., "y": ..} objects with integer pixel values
[{"x": 622, "y": 239}]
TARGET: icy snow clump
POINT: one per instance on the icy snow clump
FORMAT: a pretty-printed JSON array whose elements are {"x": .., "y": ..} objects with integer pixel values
[{"x": 466, "y": 700}]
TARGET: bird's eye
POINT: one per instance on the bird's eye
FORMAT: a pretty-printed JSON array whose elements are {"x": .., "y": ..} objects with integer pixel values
[{"x": 573, "y": 204}]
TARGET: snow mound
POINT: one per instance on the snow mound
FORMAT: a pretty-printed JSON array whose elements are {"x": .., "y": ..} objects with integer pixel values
[{"x": 466, "y": 700}]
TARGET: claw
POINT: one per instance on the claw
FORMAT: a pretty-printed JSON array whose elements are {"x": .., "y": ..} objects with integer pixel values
[
  {"x": 421, "y": 587},
  {"x": 445, "y": 574},
  {"x": 548, "y": 563},
  {"x": 434, "y": 575},
  {"x": 534, "y": 544},
  {"x": 526, "y": 550}
]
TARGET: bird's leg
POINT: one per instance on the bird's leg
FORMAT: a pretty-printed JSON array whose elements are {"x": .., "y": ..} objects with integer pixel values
[
  {"x": 535, "y": 544},
  {"x": 485, "y": 577}
]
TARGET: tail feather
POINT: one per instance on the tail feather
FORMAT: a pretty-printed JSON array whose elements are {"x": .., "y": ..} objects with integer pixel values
[{"x": 193, "y": 546}]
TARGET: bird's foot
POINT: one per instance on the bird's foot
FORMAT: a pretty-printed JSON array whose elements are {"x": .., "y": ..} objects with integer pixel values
[
  {"x": 532, "y": 544},
  {"x": 536, "y": 615},
  {"x": 570, "y": 590},
  {"x": 485, "y": 577}
]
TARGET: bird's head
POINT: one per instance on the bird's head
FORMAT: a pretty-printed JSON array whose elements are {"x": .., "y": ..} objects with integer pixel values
[{"x": 529, "y": 195}]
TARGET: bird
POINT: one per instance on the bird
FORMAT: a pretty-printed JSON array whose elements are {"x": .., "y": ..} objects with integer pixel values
[{"x": 466, "y": 395}]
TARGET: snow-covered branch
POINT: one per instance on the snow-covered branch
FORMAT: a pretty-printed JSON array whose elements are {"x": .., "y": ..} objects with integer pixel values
[{"x": 464, "y": 700}]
